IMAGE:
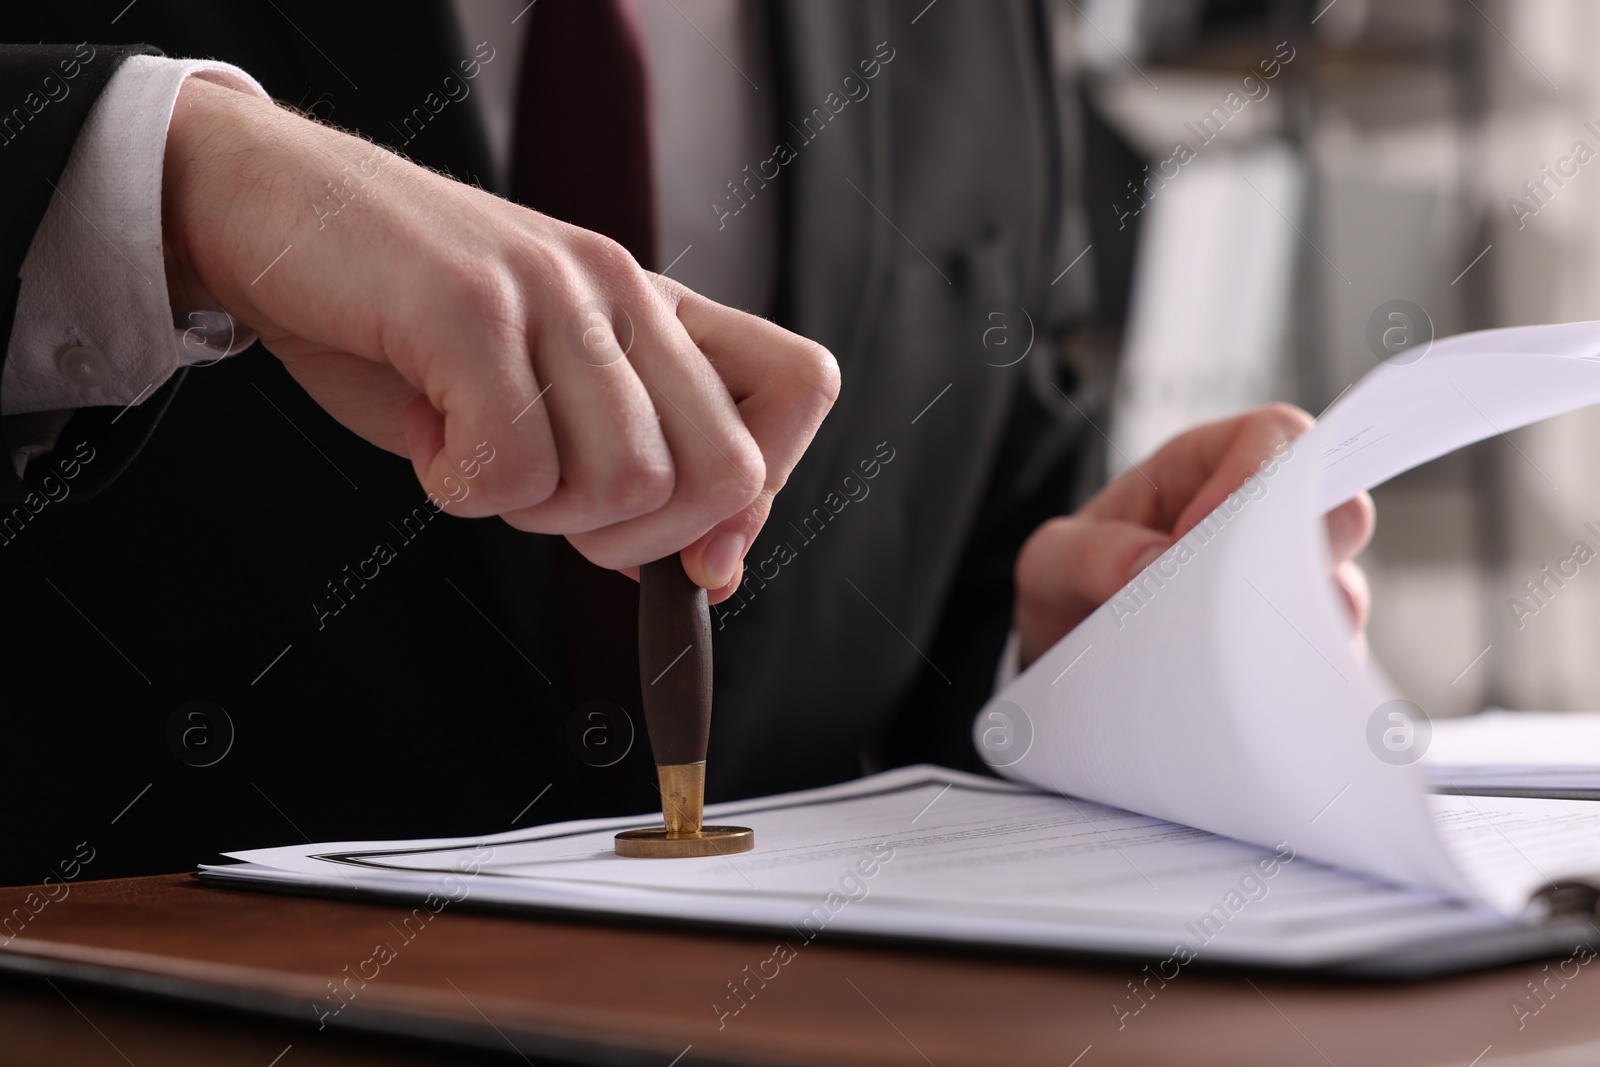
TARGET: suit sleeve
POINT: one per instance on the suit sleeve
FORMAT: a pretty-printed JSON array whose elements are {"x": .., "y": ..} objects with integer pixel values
[
  {"x": 94, "y": 323},
  {"x": 82, "y": 284}
]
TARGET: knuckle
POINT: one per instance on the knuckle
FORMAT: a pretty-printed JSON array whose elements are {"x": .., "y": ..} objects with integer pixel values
[
  {"x": 638, "y": 302},
  {"x": 1045, "y": 547},
  {"x": 669, "y": 290},
  {"x": 746, "y": 476},
  {"x": 528, "y": 485},
  {"x": 527, "y": 473},
  {"x": 1286, "y": 417},
  {"x": 637, "y": 486},
  {"x": 729, "y": 487},
  {"x": 608, "y": 260},
  {"x": 726, "y": 494},
  {"x": 1026, "y": 563},
  {"x": 539, "y": 483},
  {"x": 482, "y": 291},
  {"x": 1056, "y": 531}
]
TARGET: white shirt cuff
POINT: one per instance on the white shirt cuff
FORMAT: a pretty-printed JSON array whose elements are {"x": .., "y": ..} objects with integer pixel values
[
  {"x": 1010, "y": 662},
  {"x": 94, "y": 322}
]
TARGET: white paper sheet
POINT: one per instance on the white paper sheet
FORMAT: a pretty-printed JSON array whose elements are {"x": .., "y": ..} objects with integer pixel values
[
  {"x": 1531, "y": 750},
  {"x": 922, "y": 852},
  {"x": 1515, "y": 847},
  {"x": 1219, "y": 688}
]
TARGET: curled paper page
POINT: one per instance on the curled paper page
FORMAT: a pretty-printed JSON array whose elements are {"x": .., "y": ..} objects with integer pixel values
[{"x": 1219, "y": 687}]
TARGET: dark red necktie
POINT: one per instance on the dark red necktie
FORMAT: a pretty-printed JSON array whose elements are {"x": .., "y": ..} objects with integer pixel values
[
  {"x": 583, "y": 154},
  {"x": 583, "y": 147}
]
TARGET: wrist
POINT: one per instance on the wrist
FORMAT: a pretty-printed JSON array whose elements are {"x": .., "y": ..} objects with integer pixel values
[
  {"x": 191, "y": 127},
  {"x": 207, "y": 165}
]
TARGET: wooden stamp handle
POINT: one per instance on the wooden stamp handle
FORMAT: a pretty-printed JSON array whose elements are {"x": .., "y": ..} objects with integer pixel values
[{"x": 674, "y": 662}]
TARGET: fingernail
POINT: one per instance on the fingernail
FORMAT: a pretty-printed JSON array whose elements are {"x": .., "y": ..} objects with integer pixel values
[
  {"x": 1150, "y": 556},
  {"x": 721, "y": 558}
]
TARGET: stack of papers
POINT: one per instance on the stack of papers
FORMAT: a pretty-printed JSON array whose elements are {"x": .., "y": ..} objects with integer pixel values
[
  {"x": 1517, "y": 753},
  {"x": 1204, "y": 767},
  {"x": 925, "y": 853}
]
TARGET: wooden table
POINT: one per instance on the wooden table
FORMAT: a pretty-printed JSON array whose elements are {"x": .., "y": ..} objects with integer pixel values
[{"x": 628, "y": 994}]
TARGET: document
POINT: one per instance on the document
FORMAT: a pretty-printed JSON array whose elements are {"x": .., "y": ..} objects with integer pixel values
[
  {"x": 1511, "y": 752},
  {"x": 1204, "y": 767},
  {"x": 1220, "y": 688},
  {"x": 927, "y": 853}
]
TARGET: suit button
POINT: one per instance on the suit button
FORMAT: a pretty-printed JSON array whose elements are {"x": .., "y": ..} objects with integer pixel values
[{"x": 83, "y": 366}]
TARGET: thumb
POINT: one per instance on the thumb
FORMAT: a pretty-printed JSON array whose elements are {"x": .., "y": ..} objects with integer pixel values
[
  {"x": 1072, "y": 565},
  {"x": 716, "y": 560}
]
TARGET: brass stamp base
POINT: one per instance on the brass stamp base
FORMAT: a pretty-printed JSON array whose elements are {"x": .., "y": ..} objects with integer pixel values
[{"x": 658, "y": 842}]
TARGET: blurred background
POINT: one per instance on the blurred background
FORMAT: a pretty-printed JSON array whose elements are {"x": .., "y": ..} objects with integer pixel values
[{"x": 1425, "y": 151}]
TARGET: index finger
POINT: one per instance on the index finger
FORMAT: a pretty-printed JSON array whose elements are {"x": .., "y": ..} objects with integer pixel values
[
  {"x": 783, "y": 386},
  {"x": 1190, "y": 475}
]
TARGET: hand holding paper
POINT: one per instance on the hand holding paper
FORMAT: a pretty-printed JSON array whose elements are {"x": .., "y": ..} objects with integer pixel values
[
  {"x": 1073, "y": 564},
  {"x": 1218, "y": 688}
]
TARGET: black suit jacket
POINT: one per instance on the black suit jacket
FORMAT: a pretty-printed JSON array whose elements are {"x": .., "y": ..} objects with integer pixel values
[{"x": 435, "y": 701}]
